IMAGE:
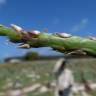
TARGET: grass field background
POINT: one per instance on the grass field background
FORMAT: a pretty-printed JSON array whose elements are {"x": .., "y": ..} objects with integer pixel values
[{"x": 23, "y": 73}]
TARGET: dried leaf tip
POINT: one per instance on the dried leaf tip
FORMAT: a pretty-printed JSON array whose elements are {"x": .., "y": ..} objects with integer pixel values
[
  {"x": 16, "y": 28},
  {"x": 23, "y": 46},
  {"x": 36, "y": 32}
]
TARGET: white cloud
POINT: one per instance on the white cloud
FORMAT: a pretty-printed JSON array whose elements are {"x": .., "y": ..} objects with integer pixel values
[
  {"x": 84, "y": 21},
  {"x": 81, "y": 25},
  {"x": 3, "y": 2}
]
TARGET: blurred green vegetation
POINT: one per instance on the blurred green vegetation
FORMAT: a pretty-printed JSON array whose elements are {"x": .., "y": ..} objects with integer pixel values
[
  {"x": 30, "y": 55},
  {"x": 23, "y": 72}
]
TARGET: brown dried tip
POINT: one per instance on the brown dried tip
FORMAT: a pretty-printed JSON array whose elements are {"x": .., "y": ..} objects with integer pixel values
[
  {"x": 64, "y": 35},
  {"x": 23, "y": 46},
  {"x": 16, "y": 28},
  {"x": 77, "y": 52}
]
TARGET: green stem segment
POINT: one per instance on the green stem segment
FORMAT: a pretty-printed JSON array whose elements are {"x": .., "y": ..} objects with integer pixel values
[{"x": 52, "y": 40}]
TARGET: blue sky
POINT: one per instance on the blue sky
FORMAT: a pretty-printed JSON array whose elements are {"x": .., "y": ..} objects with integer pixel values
[{"x": 77, "y": 17}]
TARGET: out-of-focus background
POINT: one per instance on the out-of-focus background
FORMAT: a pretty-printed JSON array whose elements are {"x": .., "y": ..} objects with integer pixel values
[
  {"x": 32, "y": 74},
  {"x": 23, "y": 70}
]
